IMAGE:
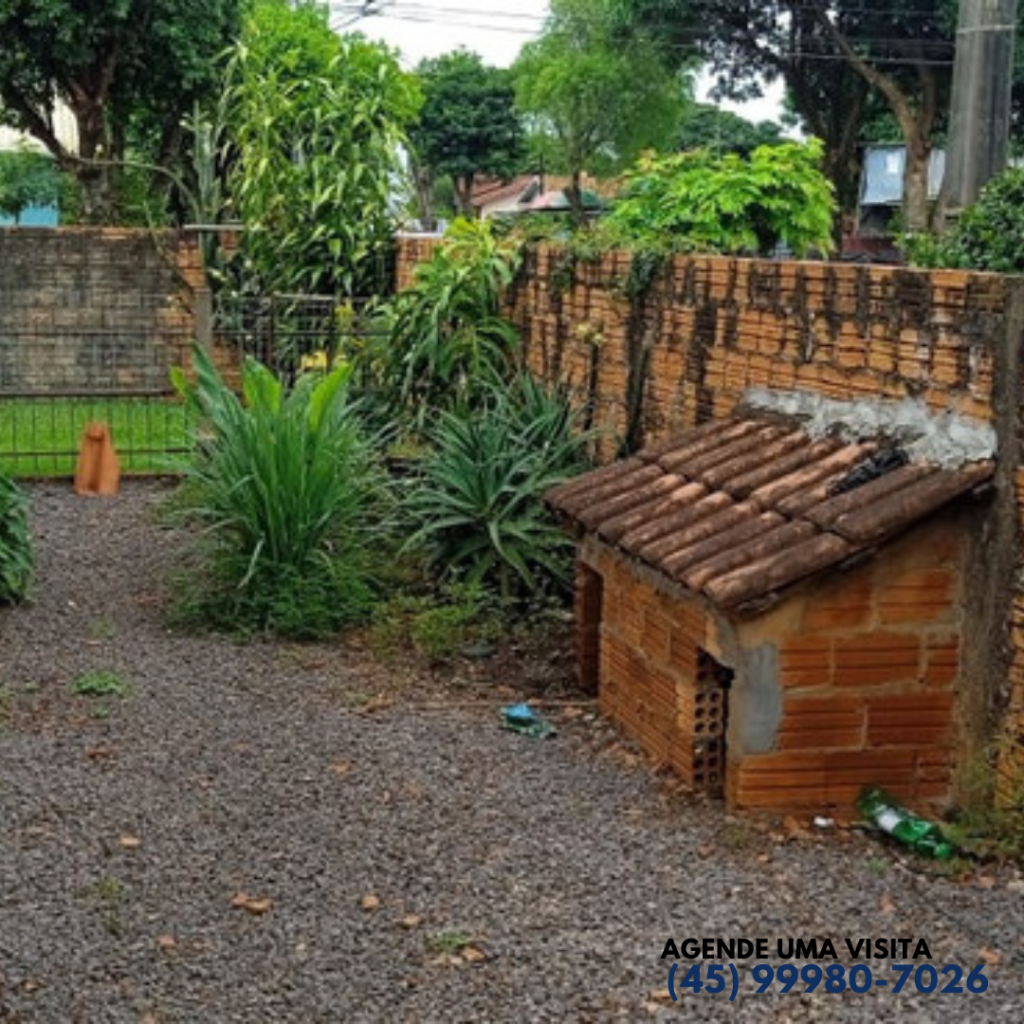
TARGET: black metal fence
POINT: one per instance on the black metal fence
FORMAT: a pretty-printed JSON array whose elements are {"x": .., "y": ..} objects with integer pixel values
[{"x": 96, "y": 361}]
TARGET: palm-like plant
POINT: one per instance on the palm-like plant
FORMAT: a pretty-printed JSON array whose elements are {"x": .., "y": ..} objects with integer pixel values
[
  {"x": 286, "y": 485},
  {"x": 445, "y": 341},
  {"x": 16, "y": 557}
]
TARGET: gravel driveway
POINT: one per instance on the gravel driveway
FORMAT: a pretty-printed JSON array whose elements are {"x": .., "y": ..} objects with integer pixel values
[{"x": 237, "y": 838}]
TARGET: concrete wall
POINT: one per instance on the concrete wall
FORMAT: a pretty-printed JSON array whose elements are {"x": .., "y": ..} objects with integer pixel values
[{"x": 94, "y": 308}]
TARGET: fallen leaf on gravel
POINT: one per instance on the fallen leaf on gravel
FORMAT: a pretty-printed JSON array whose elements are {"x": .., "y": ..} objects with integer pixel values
[
  {"x": 705, "y": 851},
  {"x": 990, "y": 957},
  {"x": 378, "y": 703},
  {"x": 341, "y": 767},
  {"x": 986, "y": 881},
  {"x": 31, "y": 985},
  {"x": 166, "y": 942},
  {"x": 369, "y": 902},
  {"x": 130, "y": 842},
  {"x": 1016, "y": 885},
  {"x": 660, "y": 995},
  {"x": 795, "y": 828},
  {"x": 149, "y": 1018},
  {"x": 98, "y": 753},
  {"x": 412, "y": 921},
  {"x": 252, "y": 904},
  {"x": 472, "y": 955},
  {"x": 886, "y": 905}
]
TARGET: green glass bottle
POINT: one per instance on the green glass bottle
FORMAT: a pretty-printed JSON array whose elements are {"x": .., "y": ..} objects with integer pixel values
[{"x": 921, "y": 835}]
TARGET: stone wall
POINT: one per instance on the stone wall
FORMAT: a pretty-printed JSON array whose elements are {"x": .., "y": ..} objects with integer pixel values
[
  {"x": 649, "y": 349},
  {"x": 94, "y": 308}
]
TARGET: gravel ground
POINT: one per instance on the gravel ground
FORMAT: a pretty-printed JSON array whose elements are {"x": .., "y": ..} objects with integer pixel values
[{"x": 367, "y": 841}]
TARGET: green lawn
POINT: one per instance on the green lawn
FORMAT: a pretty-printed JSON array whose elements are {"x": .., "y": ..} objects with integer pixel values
[{"x": 41, "y": 436}]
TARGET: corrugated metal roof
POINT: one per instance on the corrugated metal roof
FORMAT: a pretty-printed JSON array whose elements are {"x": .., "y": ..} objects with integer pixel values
[
  {"x": 740, "y": 507},
  {"x": 882, "y": 175}
]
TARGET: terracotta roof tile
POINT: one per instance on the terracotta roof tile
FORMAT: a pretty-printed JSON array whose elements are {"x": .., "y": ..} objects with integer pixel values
[{"x": 739, "y": 508}]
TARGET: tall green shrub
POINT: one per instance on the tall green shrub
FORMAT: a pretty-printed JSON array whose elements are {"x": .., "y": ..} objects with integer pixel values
[
  {"x": 988, "y": 236},
  {"x": 16, "y": 554},
  {"x": 444, "y": 342},
  {"x": 312, "y": 129},
  {"x": 291, "y": 497},
  {"x": 727, "y": 203}
]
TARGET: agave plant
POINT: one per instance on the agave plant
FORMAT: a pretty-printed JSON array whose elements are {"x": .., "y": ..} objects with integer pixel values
[
  {"x": 478, "y": 507},
  {"x": 286, "y": 485},
  {"x": 16, "y": 555}
]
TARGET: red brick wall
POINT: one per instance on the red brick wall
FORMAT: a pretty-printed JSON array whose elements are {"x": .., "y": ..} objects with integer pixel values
[
  {"x": 868, "y": 665},
  {"x": 710, "y": 327},
  {"x": 649, "y": 645}
]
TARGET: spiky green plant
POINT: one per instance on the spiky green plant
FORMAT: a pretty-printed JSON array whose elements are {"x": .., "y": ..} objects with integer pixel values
[
  {"x": 290, "y": 493},
  {"x": 16, "y": 555},
  {"x": 444, "y": 341},
  {"x": 478, "y": 507}
]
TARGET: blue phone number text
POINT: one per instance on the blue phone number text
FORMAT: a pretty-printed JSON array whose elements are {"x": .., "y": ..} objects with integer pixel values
[{"x": 715, "y": 979}]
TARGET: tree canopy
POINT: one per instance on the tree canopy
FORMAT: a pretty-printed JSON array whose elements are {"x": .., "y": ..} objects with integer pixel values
[
  {"x": 602, "y": 98},
  {"x": 840, "y": 60},
  {"x": 27, "y": 179},
  {"x": 705, "y": 126},
  {"x": 468, "y": 125},
  {"x": 119, "y": 66}
]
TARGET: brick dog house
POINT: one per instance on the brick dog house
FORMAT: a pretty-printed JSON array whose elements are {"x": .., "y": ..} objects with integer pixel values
[{"x": 778, "y": 616}]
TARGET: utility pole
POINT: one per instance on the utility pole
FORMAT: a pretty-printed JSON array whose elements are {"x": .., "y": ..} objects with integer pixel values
[{"x": 980, "y": 114}]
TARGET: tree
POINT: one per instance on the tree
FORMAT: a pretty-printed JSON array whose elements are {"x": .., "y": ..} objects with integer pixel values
[
  {"x": 603, "y": 99},
  {"x": 721, "y": 202},
  {"x": 27, "y": 179},
  {"x": 113, "y": 63},
  {"x": 705, "y": 126},
  {"x": 468, "y": 125},
  {"x": 836, "y": 58},
  {"x": 313, "y": 125}
]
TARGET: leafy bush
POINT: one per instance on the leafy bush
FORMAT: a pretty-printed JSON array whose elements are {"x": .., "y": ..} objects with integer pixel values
[
  {"x": 289, "y": 489},
  {"x": 444, "y": 340},
  {"x": 478, "y": 507},
  {"x": 16, "y": 556},
  {"x": 988, "y": 236},
  {"x": 725, "y": 203},
  {"x": 437, "y": 624}
]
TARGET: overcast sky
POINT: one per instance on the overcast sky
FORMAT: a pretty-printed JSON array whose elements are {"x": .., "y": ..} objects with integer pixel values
[{"x": 496, "y": 29}]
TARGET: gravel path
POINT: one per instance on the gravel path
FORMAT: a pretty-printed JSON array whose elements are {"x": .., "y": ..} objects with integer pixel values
[{"x": 366, "y": 848}]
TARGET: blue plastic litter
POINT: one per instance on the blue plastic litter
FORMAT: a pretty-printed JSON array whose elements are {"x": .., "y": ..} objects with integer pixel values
[{"x": 523, "y": 719}]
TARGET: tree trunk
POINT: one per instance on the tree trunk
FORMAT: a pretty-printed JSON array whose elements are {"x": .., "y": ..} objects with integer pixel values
[
  {"x": 423, "y": 184},
  {"x": 464, "y": 196},
  {"x": 574, "y": 193},
  {"x": 93, "y": 179},
  {"x": 916, "y": 213}
]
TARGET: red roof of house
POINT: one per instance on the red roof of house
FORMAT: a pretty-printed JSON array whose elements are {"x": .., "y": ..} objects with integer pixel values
[{"x": 740, "y": 507}]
